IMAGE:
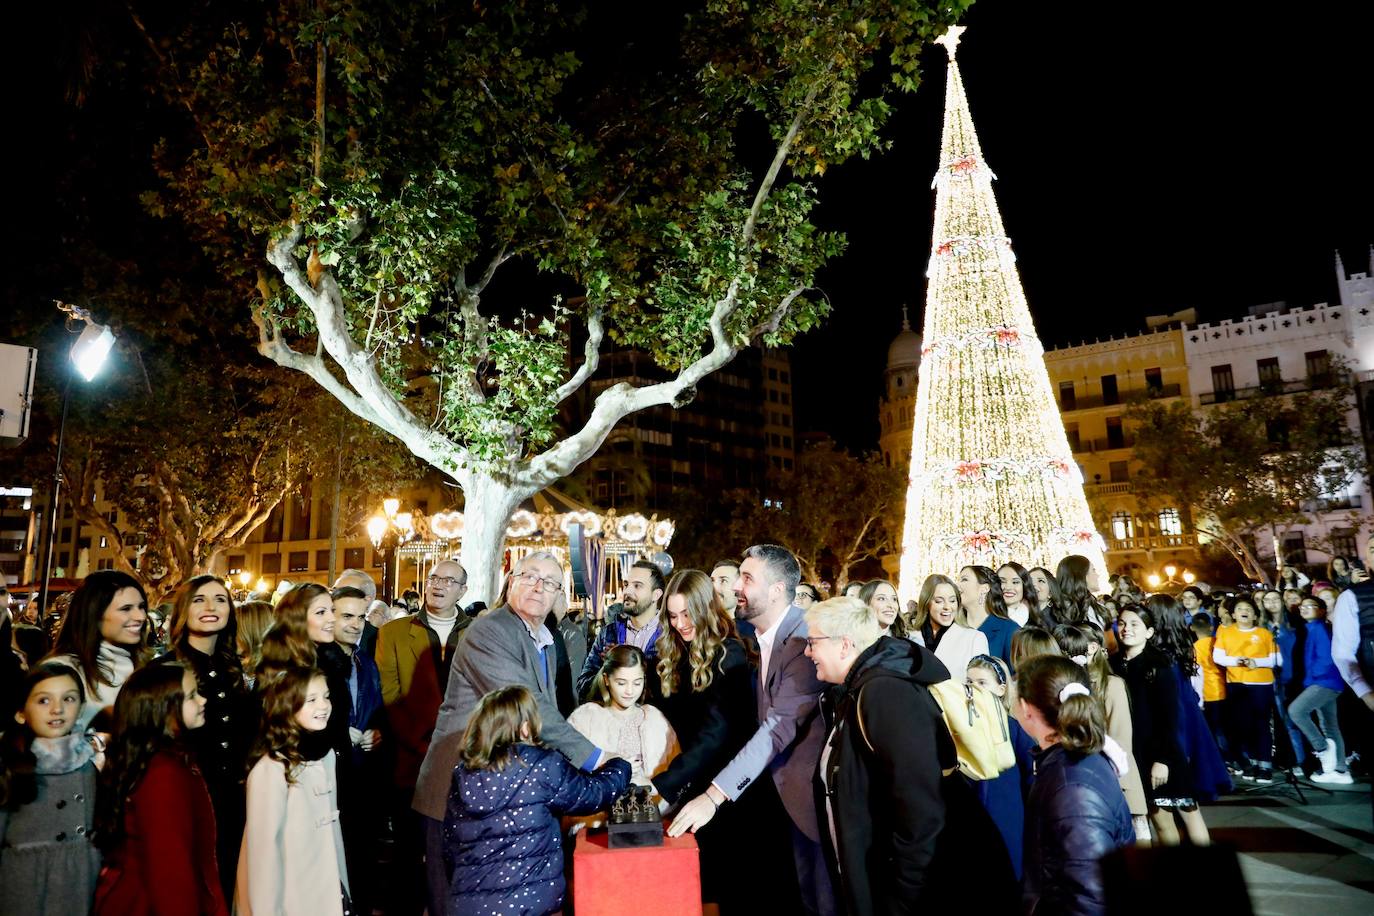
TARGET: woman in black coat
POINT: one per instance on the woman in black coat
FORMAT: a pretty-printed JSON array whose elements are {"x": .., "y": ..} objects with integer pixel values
[
  {"x": 706, "y": 694},
  {"x": 906, "y": 837}
]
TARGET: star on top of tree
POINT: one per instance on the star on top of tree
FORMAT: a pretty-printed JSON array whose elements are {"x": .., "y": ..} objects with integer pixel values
[{"x": 951, "y": 39}]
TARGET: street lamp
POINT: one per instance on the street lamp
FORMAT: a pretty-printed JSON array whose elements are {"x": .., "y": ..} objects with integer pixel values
[
  {"x": 387, "y": 532},
  {"x": 1172, "y": 578},
  {"x": 88, "y": 356}
]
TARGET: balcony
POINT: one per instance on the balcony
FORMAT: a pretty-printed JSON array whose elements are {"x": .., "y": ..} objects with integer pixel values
[
  {"x": 1106, "y": 489},
  {"x": 1152, "y": 542},
  {"x": 1109, "y": 444},
  {"x": 1090, "y": 401},
  {"x": 1275, "y": 388}
]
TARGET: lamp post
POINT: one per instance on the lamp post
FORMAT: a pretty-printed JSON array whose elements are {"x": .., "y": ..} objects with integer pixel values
[
  {"x": 387, "y": 532},
  {"x": 88, "y": 355},
  {"x": 1172, "y": 577}
]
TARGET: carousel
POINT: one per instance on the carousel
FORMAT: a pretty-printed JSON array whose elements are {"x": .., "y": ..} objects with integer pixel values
[{"x": 598, "y": 547}]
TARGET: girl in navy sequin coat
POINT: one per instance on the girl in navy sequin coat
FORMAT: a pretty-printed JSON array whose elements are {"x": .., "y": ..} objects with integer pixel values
[{"x": 501, "y": 834}]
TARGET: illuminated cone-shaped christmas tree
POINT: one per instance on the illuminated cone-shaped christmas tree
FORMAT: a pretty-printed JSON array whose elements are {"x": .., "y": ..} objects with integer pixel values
[{"x": 992, "y": 476}]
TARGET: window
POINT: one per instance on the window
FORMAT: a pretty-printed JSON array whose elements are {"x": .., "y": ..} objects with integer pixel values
[
  {"x": 1116, "y": 436},
  {"x": 322, "y": 560},
  {"x": 271, "y": 529},
  {"x": 1294, "y": 548},
  {"x": 376, "y": 560},
  {"x": 772, "y": 374},
  {"x": 66, "y": 534},
  {"x": 1123, "y": 527},
  {"x": 1223, "y": 383},
  {"x": 1318, "y": 367},
  {"x": 1154, "y": 382},
  {"x": 773, "y": 395},
  {"x": 104, "y": 541},
  {"x": 1109, "y": 393},
  {"x": 1071, "y": 431},
  {"x": 1343, "y": 542},
  {"x": 1119, "y": 472},
  {"x": 64, "y": 560},
  {"x": 785, "y": 377},
  {"x": 324, "y": 517},
  {"x": 113, "y": 517},
  {"x": 786, "y": 441},
  {"x": 786, "y": 398},
  {"x": 786, "y": 466},
  {"x": 353, "y": 557},
  {"x": 271, "y": 564},
  {"x": 1067, "y": 400},
  {"x": 236, "y": 561},
  {"x": 1170, "y": 522},
  {"x": 298, "y": 561},
  {"x": 1269, "y": 375},
  {"x": 300, "y": 517}
]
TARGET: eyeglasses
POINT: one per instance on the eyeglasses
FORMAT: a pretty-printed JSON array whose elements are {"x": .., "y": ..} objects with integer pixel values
[
  {"x": 445, "y": 580},
  {"x": 812, "y": 640},
  {"x": 549, "y": 586}
]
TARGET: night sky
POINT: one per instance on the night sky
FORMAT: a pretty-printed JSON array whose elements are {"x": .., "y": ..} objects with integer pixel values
[{"x": 1145, "y": 163}]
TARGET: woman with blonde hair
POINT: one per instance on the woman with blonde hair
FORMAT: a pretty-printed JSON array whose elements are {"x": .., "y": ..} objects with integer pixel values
[
  {"x": 255, "y": 618},
  {"x": 707, "y": 696}
]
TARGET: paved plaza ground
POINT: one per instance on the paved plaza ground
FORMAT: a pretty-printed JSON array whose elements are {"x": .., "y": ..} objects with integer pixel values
[{"x": 1315, "y": 859}]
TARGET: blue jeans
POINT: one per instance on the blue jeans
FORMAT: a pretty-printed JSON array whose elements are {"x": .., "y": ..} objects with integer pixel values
[
  {"x": 1295, "y": 735},
  {"x": 1322, "y": 701}
]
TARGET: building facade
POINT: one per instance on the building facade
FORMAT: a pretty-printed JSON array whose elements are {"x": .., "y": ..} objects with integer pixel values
[{"x": 1094, "y": 383}]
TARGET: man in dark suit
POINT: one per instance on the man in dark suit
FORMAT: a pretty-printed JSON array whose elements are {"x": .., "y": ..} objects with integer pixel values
[
  {"x": 505, "y": 647},
  {"x": 787, "y": 745},
  {"x": 414, "y": 655}
]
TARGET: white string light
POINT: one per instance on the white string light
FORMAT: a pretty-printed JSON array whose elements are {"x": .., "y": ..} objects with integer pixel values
[{"x": 992, "y": 475}]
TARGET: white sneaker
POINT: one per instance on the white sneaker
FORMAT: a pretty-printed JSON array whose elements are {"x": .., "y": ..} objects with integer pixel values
[
  {"x": 1333, "y": 778},
  {"x": 1327, "y": 757}
]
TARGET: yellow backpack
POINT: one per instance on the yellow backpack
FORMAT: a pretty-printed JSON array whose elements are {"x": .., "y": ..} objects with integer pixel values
[{"x": 977, "y": 721}]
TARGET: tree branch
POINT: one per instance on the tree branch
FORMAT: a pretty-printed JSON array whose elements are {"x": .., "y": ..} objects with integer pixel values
[
  {"x": 591, "y": 358},
  {"x": 369, "y": 397}
]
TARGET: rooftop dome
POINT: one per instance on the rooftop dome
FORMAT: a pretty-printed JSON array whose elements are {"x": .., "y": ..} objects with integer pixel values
[{"x": 905, "y": 349}]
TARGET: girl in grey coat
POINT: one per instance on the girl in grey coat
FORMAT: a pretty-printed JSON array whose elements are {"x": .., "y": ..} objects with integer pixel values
[{"x": 48, "y": 863}]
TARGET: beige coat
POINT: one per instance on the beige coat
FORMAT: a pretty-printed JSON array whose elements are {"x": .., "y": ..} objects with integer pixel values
[
  {"x": 657, "y": 741},
  {"x": 292, "y": 858},
  {"x": 1118, "y": 704}
]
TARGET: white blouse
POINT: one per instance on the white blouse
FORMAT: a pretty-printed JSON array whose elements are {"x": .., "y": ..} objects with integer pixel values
[{"x": 956, "y": 647}]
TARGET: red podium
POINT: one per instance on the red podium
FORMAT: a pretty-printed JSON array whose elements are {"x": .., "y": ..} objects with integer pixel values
[{"x": 612, "y": 882}]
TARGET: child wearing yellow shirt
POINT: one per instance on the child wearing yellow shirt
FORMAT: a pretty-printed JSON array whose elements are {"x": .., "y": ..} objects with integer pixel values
[
  {"x": 1249, "y": 655},
  {"x": 1210, "y": 683}
]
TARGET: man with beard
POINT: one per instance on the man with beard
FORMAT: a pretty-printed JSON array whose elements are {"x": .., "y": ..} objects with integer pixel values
[
  {"x": 633, "y": 622},
  {"x": 787, "y": 745}
]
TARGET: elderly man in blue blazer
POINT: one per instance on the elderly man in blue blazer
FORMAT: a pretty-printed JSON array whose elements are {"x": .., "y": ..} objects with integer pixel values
[
  {"x": 505, "y": 646},
  {"x": 787, "y": 745}
]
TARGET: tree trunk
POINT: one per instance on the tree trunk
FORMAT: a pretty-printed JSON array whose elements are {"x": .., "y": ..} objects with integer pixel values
[{"x": 487, "y": 507}]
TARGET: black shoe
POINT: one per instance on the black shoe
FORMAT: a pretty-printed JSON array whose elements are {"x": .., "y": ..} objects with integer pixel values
[{"x": 1262, "y": 775}]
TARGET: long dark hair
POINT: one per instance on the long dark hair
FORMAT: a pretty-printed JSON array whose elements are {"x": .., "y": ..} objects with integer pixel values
[
  {"x": 866, "y": 593},
  {"x": 179, "y": 631},
  {"x": 147, "y": 720},
  {"x": 18, "y": 766},
  {"x": 1029, "y": 593},
  {"x": 996, "y": 604},
  {"x": 80, "y": 633},
  {"x": 1075, "y": 599}
]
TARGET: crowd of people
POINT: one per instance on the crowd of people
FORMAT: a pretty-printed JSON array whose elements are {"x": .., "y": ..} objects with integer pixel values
[{"x": 1005, "y": 730}]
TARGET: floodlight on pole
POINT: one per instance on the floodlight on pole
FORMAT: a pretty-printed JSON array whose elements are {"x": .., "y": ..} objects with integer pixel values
[{"x": 88, "y": 356}]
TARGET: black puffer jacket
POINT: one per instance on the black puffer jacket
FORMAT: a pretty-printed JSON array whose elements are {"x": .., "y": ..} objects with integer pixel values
[
  {"x": 904, "y": 833},
  {"x": 1075, "y": 816}
]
